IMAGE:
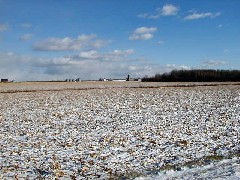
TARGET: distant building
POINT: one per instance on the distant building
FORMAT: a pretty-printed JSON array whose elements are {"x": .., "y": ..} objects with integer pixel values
[
  {"x": 104, "y": 79},
  {"x": 73, "y": 80},
  {"x": 4, "y": 80},
  {"x": 121, "y": 80},
  {"x": 133, "y": 79},
  {"x": 128, "y": 77},
  {"x": 78, "y": 80}
]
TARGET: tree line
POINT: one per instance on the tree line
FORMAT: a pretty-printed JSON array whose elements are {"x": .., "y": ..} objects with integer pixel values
[{"x": 197, "y": 75}]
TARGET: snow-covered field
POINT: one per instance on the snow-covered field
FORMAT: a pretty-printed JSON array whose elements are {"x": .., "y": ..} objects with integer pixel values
[
  {"x": 224, "y": 169},
  {"x": 119, "y": 130}
]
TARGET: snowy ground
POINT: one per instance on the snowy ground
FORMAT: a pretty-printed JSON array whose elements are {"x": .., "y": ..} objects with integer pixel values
[
  {"x": 224, "y": 169},
  {"x": 100, "y": 131}
]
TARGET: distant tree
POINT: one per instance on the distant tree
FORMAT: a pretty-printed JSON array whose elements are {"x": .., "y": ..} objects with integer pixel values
[{"x": 197, "y": 75}]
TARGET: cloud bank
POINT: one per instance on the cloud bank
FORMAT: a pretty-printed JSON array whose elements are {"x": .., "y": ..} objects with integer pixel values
[{"x": 88, "y": 65}]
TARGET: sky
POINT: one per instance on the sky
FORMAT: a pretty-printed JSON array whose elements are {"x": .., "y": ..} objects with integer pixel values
[{"x": 92, "y": 39}]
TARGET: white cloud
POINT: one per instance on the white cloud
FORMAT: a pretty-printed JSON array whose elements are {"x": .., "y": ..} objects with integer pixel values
[
  {"x": 169, "y": 10},
  {"x": 3, "y": 27},
  {"x": 116, "y": 55},
  {"x": 166, "y": 10},
  {"x": 174, "y": 66},
  {"x": 145, "y": 36},
  {"x": 213, "y": 63},
  {"x": 70, "y": 44},
  {"x": 171, "y": 65},
  {"x": 144, "y": 69},
  {"x": 184, "y": 67},
  {"x": 144, "y": 15},
  {"x": 26, "y": 37},
  {"x": 195, "y": 15},
  {"x": 123, "y": 53},
  {"x": 143, "y": 30},
  {"x": 89, "y": 55},
  {"x": 143, "y": 33}
]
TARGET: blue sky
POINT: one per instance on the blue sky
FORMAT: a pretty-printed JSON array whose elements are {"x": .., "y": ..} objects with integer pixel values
[{"x": 59, "y": 39}]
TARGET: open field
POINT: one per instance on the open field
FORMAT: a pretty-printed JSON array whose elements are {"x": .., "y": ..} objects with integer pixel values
[
  {"x": 119, "y": 130},
  {"x": 59, "y": 86}
]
